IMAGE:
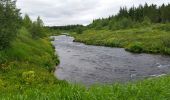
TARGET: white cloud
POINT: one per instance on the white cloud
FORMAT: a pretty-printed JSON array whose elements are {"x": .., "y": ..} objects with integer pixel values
[{"x": 64, "y": 12}]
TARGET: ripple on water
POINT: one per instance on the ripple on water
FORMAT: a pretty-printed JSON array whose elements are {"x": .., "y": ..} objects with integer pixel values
[{"x": 94, "y": 64}]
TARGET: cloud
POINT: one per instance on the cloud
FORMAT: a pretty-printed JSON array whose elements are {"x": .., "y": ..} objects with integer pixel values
[{"x": 64, "y": 12}]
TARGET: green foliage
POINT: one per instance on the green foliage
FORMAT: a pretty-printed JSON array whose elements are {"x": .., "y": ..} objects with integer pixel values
[
  {"x": 52, "y": 38},
  {"x": 9, "y": 22},
  {"x": 136, "y": 40},
  {"x": 166, "y": 41},
  {"x": 150, "y": 89},
  {"x": 27, "y": 23},
  {"x": 37, "y": 29},
  {"x": 27, "y": 65},
  {"x": 1, "y": 83},
  {"x": 134, "y": 17},
  {"x": 146, "y": 21},
  {"x": 24, "y": 46},
  {"x": 135, "y": 47},
  {"x": 164, "y": 27},
  {"x": 79, "y": 30},
  {"x": 28, "y": 77},
  {"x": 123, "y": 24}
]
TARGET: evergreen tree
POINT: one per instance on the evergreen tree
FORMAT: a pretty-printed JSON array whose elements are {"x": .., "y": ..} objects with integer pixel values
[
  {"x": 27, "y": 23},
  {"x": 37, "y": 29}
]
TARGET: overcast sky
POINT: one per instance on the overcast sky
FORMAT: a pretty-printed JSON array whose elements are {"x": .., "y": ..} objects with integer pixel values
[{"x": 65, "y": 12}]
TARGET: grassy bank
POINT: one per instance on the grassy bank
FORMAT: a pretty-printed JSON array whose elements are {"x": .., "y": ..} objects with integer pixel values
[
  {"x": 150, "y": 39},
  {"x": 27, "y": 66}
]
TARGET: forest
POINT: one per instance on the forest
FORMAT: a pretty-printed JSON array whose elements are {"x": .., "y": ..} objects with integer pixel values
[{"x": 134, "y": 17}]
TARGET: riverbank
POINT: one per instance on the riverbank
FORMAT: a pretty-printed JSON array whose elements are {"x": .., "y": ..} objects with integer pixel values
[{"x": 150, "y": 39}]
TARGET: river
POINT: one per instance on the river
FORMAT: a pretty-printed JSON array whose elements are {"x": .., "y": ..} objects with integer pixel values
[{"x": 88, "y": 65}]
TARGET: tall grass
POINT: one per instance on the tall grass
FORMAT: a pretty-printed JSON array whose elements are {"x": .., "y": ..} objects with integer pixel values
[{"x": 151, "y": 89}]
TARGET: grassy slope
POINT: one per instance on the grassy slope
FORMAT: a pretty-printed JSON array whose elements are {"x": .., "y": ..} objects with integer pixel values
[
  {"x": 152, "y": 39},
  {"x": 25, "y": 76}
]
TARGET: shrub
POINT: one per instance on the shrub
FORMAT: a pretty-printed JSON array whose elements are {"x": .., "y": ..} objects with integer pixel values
[
  {"x": 136, "y": 47},
  {"x": 79, "y": 30},
  {"x": 165, "y": 27},
  {"x": 146, "y": 21},
  {"x": 166, "y": 41},
  {"x": 1, "y": 83},
  {"x": 123, "y": 23},
  {"x": 37, "y": 31},
  {"x": 28, "y": 77},
  {"x": 3, "y": 58},
  {"x": 52, "y": 38}
]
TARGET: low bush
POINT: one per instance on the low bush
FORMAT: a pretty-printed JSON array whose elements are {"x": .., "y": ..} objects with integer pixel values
[
  {"x": 166, "y": 41},
  {"x": 79, "y": 30},
  {"x": 28, "y": 77},
  {"x": 135, "y": 47},
  {"x": 163, "y": 27},
  {"x": 1, "y": 83}
]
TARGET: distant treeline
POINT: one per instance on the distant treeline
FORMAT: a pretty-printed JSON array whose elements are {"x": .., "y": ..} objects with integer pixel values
[
  {"x": 143, "y": 15},
  {"x": 153, "y": 12},
  {"x": 135, "y": 16},
  {"x": 66, "y": 28}
]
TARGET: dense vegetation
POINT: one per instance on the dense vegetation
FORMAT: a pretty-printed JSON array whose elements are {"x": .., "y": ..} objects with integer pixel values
[
  {"x": 27, "y": 62},
  {"x": 9, "y": 22},
  {"x": 148, "y": 39},
  {"x": 137, "y": 29}
]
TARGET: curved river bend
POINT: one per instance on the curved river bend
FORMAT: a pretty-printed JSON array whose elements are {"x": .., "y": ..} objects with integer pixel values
[{"x": 89, "y": 65}]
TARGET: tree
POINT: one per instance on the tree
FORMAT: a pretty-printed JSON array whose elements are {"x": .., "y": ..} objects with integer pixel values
[
  {"x": 9, "y": 22},
  {"x": 165, "y": 13},
  {"x": 27, "y": 23},
  {"x": 37, "y": 29},
  {"x": 40, "y": 22}
]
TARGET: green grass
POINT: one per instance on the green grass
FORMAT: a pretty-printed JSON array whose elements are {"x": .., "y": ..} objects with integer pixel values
[
  {"x": 26, "y": 74},
  {"x": 151, "y": 89},
  {"x": 152, "y": 39}
]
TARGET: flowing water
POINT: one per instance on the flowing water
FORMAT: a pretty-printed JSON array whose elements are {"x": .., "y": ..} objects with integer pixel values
[{"x": 89, "y": 65}]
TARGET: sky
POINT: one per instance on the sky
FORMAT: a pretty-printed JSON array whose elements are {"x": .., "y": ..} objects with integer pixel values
[{"x": 67, "y": 12}]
